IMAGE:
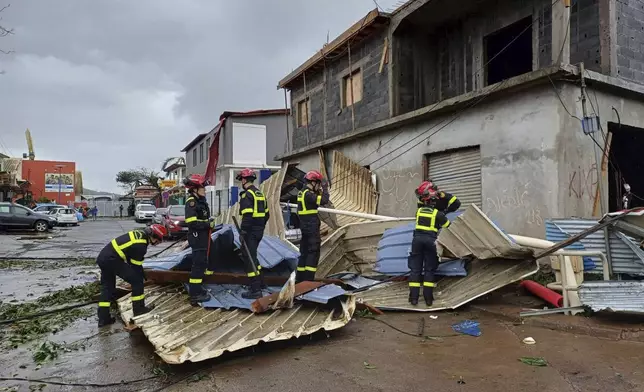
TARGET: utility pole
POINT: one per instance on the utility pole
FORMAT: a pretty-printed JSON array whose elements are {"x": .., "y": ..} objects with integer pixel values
[{"x": 60, "y": 169}]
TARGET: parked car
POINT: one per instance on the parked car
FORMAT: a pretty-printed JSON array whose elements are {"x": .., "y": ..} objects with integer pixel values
[
  {"x": 174, "y": 221},
  {"x": 158, "y": 215},
  {"x": 45, "y": 208},
  {"x": 16, "y": 217},
  {"x": 64, "y": 216},
  {"x": 144, "y": 212}
]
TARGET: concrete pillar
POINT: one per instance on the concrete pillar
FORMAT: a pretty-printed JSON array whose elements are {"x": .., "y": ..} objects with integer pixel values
[
  {"x": 561, "y": 33},
  {"x": 608, "y": 36}
]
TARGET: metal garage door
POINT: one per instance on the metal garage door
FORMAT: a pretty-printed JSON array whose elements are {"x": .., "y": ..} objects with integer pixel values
[{"x": 459, "y": 173}]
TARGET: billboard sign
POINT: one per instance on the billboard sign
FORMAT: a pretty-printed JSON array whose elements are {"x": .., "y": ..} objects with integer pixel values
[{"x": 55, "y": 182}]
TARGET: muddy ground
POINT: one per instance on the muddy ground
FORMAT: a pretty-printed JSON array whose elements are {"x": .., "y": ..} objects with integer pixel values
[{"x": 366, "y": 355}]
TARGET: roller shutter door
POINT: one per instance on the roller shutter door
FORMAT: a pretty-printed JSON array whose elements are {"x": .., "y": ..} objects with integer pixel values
[{"x": 459, "y": 173}]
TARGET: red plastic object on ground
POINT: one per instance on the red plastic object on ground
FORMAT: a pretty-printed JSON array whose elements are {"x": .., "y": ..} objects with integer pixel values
[{"x": 551, "y": 297}]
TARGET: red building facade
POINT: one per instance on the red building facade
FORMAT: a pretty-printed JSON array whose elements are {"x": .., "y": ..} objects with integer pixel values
[{"x": 53, "y": 180}]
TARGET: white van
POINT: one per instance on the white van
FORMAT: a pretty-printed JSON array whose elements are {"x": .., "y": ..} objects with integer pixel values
[{"x": 144, "y": 212}]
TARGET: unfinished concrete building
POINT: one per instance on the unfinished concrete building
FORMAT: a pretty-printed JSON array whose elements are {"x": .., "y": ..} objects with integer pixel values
[{"x": 485, "y": 98}]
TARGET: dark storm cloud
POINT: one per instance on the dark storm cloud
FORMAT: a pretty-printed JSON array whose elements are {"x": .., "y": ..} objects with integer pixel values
[{"x": 119, "y": 84}]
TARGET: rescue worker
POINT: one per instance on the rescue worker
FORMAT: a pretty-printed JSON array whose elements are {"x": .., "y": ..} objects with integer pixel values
[
  {"x": 123, "y": 257},
  {"x": 253, "y": 208},
  {"x": 424, "y": 256},
  {"x": 199, "y": 224},
  {"x": 308, "y": 201},
  {"x": 446, "y": 201}
]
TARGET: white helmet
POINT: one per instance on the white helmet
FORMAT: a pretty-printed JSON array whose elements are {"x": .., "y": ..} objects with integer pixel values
[{"x": 627, "y": 187}]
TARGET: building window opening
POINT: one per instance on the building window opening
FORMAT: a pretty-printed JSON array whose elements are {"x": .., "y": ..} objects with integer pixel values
[
  {"x": 509, "y": 60},
  {"x": 625, "y": 166},
  {"x": 303, "y": 113},
  {"x": 352, "y": 88}
]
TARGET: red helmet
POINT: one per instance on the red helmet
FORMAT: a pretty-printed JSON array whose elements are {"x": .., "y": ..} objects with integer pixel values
[
  {"x": 248, "y": 174},
  {"x": 158, "y": 231},
  {"x": 195, "y": 181},
  {"x": 313, "y": 175},
  {"x": 423, "y": 189}
]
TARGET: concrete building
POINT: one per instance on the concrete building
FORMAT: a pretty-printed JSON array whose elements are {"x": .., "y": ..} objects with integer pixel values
[
  {"x": 246, "y": 139},
  {"x": 485, "y": 98},
  {"x": 52, "y": 180}
]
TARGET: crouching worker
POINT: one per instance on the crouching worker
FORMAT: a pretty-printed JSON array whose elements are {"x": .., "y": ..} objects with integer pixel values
[
  {"x": 424, "y": 256},
  {"x": 123, "y": 257},
  {"x": 308, "y": 201}
]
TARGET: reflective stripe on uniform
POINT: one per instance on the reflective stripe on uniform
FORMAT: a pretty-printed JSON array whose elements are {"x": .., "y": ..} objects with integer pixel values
[
  {"x": 301, "y": 269},
  {"x": 104, "y": 304},
  {"x": 138, "y": 297},
  {"x": 310, "y": 269},
  {"x": 451, "y": 201},
  {"x": 253, "y": 274},
  {"x": 136, "y": 237},
  {"x": 136, "y": 262},
  {"x": 257, "y": 197},
  {"x": 301, "y": 204},
  {"x": 429, "y": 284},
  {"x": 422, "y": 215},
  {"x": 195, "y": 281},
  {"x": 414, "y": 284},
  {"x": 444, "y": 225},
  {"x": 195, "y": 219},
  {"x": 209, "y": 272}
]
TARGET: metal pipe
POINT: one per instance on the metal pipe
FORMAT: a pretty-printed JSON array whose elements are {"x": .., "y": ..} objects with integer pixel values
[{"x": 349, "y": 213}]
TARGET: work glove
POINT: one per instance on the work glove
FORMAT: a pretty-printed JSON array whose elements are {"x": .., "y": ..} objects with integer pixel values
[{"x": 212, "y": 222}]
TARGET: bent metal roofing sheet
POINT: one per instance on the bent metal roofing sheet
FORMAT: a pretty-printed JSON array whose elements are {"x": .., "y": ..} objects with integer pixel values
[{"x": 182, "y": 333}]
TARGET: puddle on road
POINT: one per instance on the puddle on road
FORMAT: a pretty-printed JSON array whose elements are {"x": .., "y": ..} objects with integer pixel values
[{"x": 19, "y": 285}]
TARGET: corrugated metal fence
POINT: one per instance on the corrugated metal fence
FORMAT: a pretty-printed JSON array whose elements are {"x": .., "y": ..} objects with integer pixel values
[
  {"x": 109, "y": 208},
  {"x": 626, "y": 256}
]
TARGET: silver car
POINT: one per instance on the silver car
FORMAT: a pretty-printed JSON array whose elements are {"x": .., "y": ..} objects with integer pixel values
[{"x": 159, "y": 214}]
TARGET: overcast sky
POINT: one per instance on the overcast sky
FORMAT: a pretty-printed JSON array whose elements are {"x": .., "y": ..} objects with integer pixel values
[{"x": 118, "y": 84}]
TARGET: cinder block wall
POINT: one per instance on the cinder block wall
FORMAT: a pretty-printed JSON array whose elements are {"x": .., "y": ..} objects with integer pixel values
[{"x": 630, "y": 40}]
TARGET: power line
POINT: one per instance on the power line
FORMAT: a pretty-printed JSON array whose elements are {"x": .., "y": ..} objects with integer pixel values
[{"x": 434, "y": 106}]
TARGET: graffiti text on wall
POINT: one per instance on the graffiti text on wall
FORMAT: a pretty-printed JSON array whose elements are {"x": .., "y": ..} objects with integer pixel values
[
  {"x": 514, "y": 203},
  {"x": 582, "y": 182}
]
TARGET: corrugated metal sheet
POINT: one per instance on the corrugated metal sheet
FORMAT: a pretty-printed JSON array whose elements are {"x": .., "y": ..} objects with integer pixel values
[
  {"x": 459, "y": 173},
  {"x": 624, "y": 259},
  {"x": 272, "y": 189},
  {"x": 353, "y": 248},
  {"x": 183, "y": 333},
  {"x": 352, "y": 189},
  {"x": 394, "y": 248},
  {"x": 484, "y": 276},
  {"x": 617, "y": 296},
  {"x": 474, "y": 234}
]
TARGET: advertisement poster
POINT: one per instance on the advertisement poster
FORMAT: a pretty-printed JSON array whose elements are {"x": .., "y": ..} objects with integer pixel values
[{"x": 66, "y": 182}]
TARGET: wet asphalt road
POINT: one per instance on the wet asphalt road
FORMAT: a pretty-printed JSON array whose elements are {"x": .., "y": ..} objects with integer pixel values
[
  {"x": 83, "y": 241},
  {"x": 366, "y": 355}
]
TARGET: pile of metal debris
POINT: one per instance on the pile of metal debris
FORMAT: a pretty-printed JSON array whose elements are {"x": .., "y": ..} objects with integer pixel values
[{"x": 363, "y": 264}]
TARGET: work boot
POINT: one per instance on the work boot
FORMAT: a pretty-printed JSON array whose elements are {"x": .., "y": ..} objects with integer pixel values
[
  {"x": 105, "y": 317},
  {"x": 428, "y": 294},
  {"x": 139, "y": 308},
  {"x": 255, "y": 289},
  {"x": 196, "y": 299},
  {"x": 413, "y": 295},
  {"x": 300, "y": 276}
]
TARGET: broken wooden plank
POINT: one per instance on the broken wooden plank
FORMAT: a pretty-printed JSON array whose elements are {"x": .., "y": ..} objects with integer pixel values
[
  {"x": 366, "y": 306},
  {"x": 385, "y": 52},
  {"x": 263, "y": 304}
]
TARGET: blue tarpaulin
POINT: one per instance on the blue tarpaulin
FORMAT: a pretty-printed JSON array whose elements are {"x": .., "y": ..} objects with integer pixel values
[
  {"x": 273, "y": 254},
  {"x": 394, "y": 248},
  {"x": 468, "y": 327}
]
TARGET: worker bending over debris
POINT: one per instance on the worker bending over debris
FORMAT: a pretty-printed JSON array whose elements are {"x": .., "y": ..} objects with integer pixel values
[
  {"x": 253, "y": 208},
  {"x": 308, "y": 200},
  {"x": 199, "y": 229},
  {"x": 123, "y": 257},
  {"x": 446, "y": 202},
  {"x": 424, "y": 256}
]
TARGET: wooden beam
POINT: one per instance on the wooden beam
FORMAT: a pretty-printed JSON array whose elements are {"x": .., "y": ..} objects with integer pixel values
[
  {"x": 263, "y": 304},
  {"x": 385, "y": 52},
  {"x": 604, "y": 170},
  {"x": 220, "y": 278}
]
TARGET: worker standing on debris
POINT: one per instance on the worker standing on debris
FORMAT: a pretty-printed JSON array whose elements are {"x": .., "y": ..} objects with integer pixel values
[
  {"x": 424, "y": 256},
  {"x": 253, "y": 208},
  {"x": 446, "y": 202},
  {"x": 123, "y": 257},
  {"x": 308, "y": 200},
  {"x": 199, "y": 228}
]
